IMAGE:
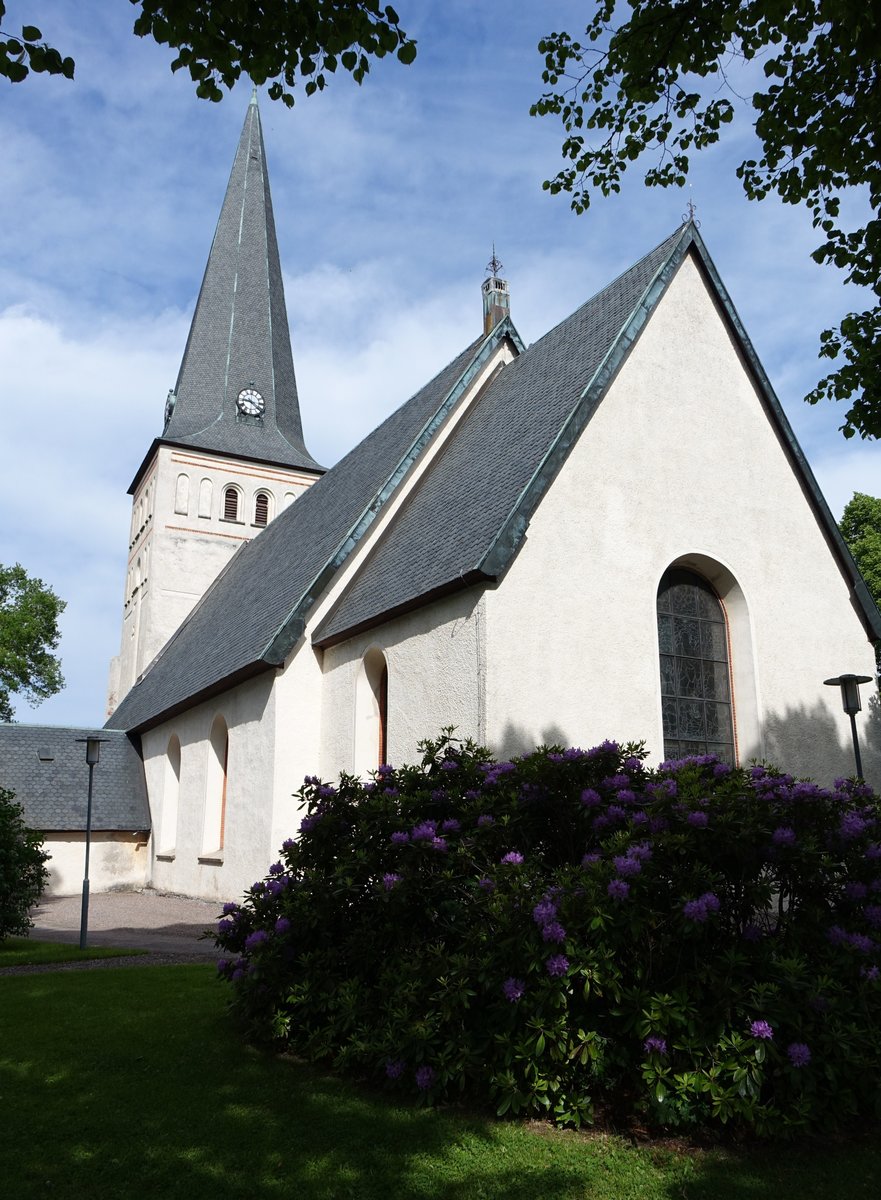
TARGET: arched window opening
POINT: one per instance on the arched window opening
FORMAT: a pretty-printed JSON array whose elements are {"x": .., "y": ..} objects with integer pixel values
[
  {"x": 182, "y": 495},
  {"x": 206, "y": 490},
  {"x": 696, "y": 697},
  {"x": 261, "y": 509},
  {"x": 170, "y": 795},
  {"x": 371, "y": 713},
  {"x": 214, "y": 827},
  {"x": 230, "y": 504}
]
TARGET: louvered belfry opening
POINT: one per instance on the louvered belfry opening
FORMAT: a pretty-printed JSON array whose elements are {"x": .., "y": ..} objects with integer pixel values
[
  {"x": 230, "y": 504},
  {"x": 261, "y": 509}
]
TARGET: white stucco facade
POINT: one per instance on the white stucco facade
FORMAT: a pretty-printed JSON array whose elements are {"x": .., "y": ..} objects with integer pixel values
[
  {"x": 680, "y": 465},
  {"x": 116, "y": 860},
  {"x": 183, "y": 534}
]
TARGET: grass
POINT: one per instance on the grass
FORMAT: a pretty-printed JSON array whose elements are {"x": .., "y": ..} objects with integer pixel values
[
  {"x": 21, "y": 951},
  {"x": 132, "y": 1079}
]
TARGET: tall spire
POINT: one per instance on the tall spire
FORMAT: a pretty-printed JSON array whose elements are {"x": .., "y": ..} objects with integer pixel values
[{"x": 236, "y": 392}]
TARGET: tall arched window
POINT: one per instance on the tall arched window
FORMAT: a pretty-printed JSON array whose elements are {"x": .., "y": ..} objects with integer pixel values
[
  {"x": 695, "y": 675},
  {"x": 371, "y": 713},
  {"x": 261, "y": 509},
  {"x": 230, "y": 504},
  {"x": 170, "y": 794},
  {"x": 214, "y": 826}
]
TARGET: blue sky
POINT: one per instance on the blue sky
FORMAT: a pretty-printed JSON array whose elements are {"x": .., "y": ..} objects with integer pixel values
[{"x": 387, "y": 198}]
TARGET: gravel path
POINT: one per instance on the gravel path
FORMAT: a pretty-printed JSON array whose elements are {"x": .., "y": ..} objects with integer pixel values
[{"x": 169, "y": 927}]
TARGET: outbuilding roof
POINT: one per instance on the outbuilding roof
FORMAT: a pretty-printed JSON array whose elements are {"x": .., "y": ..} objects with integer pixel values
[{"x": 45, "y": 766}]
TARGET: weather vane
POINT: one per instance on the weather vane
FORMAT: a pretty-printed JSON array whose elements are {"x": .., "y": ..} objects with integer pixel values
[{"x": 494, "y": 267}]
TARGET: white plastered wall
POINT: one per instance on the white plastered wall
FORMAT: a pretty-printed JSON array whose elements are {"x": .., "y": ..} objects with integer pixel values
[
  {"x": 189, "y": 866},
  {"x": 435, "y": 679},
  {"x": 116, "y": 860},
  {"x": 181, "y": 542},
  {"x": 678, "y": 464}
]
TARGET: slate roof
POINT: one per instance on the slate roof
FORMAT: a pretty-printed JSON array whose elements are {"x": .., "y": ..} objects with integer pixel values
[
  {"x": 469, "y": 514},
  {"x": 239, "y": 335},
  {"x": 467, "y": 517},
  {"x": 254, "y": 612},
  {"x": 445, "y": 536},
  {"x": 46, "y": 767}
]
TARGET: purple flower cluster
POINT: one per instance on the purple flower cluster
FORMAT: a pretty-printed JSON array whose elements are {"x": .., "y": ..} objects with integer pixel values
[
  {"x": 557, "y": 965},
  {"x": 485, "y": 820},
  {"x": 451, "y": 825},
  {"x": 618, "y": 889},
  {"x": 400, "y": 837},
  {"x": 424, "y": 1078},
  {"x": 486, "y": 883},
  {"x": 591, "y": 798},
  {"x": 761, "y": 1030},
  {"x": 425, "y": 831},
  {"x": 553, "y": 932},
  {"x": 783, "y": 835},
  {"x": 513, "y": 989},
  {"x": 390, "y": 879},
  {"x": 590, "y": 860},
  {"x": 256, "y": 939},
  {"x": 394, "y": 1068},
  {"x": 698, "y": 818},
  {"x": 655, "y": 1045},
  {"x": 513, "y": 858},
  {"x": 700, "y": 909},
  {"x": 855, "y": 891},
  {"x": 626, "y": 864},
  {"x": 449, "y": 765},
  {"x": 282, "y": 925},
  {"x": 799, "y": 1054}
]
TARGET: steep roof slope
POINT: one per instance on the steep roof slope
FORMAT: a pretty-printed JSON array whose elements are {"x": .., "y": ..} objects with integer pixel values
[
  {"x": 468, "y": 515},
  {"x": 46, "y": 767},
  {"x": 252, "y": 615},
  {"x": 239, "y": 335}
]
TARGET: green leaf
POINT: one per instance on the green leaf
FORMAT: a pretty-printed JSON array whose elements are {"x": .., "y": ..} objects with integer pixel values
[
  {"x": 407, "y": 53},
  {"x": 30, "y": 33}
]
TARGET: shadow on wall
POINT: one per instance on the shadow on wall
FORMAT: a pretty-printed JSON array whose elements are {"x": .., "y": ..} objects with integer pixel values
[
  {"x": 807, "y": 741},
  {"x": 812, "y": 742}
]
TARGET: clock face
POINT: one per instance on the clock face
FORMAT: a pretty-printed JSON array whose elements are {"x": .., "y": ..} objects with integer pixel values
[{"x": 250, "y": 402}]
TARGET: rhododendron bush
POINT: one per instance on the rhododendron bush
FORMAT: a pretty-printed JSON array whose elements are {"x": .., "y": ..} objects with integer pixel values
[{"x": 687, "y": 945}]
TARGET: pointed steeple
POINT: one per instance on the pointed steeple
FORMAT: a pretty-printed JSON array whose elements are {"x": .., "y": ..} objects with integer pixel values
[{"x": 236, "y": 392}]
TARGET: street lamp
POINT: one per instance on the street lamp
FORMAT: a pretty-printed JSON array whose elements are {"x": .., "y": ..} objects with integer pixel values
[
  {"x": 93, "y": 753},
  {"x": 850, "y": 702}
]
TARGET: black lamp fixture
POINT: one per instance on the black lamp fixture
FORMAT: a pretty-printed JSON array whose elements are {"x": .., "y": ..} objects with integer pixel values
[
  {"x": 93, "y": 754},
  {"x": 850, "y": 702}
]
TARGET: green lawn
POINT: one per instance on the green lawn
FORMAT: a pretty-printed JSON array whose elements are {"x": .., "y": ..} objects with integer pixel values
[
  {"x": 131, "y": 1082},
  {"x": 19, "y": 952}
]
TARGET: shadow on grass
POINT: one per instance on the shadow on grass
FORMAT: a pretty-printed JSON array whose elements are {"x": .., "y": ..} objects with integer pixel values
[{"x": 133, "y": 1080}]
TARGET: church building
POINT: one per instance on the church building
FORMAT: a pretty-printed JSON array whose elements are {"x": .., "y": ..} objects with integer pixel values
[{"x": 611, "y": 533}]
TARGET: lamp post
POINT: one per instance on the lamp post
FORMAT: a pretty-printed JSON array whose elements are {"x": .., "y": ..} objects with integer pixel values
[
  {"x": 850, "y": 702},
  {"x": 93, "y": 753}
]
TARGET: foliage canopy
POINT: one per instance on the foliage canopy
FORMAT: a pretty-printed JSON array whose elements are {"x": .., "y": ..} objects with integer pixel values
[
  {"x": 29, "y": 613},
  {"x": 684, "y": 946},
  {"x": 22, "y": 873},
  {"x": 665, "y": 83},
  {"x": 861, "y": 528},
  {"x": 218, "y": 41}
]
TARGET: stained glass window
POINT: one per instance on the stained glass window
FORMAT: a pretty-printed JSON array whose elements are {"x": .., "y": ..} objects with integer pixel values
[{"x": 695, "y": 680}]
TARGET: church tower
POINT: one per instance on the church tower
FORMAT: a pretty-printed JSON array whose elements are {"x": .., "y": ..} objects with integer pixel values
[{"x": 231, "y": 455}]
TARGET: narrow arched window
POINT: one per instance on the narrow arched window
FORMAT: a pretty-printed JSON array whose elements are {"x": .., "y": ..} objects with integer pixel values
[
  {"x": 371, "y": 713},
  {"x": 230, "y": 504},
  {"x": 182, "y": 495},
  {"x": 214, "y": 826},
  {"x": 261, "y": 509},
  {"x": 206, "y": 489},
  {"x": 695, "y": 676},
  {"x": 170, "y": 794}
]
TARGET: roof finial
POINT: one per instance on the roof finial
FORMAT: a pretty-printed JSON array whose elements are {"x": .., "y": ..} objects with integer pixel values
[
  {"x": 253, "y": 99},
  {"x": 494, "y": 266},
  {"x": 688, "y": 216}
]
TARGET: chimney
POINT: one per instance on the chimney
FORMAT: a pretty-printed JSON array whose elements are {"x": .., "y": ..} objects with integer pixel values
[{"x": 496, "y": 298}]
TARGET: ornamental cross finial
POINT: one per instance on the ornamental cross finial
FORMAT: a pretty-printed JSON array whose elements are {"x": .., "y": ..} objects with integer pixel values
[
  {"x": 689, "y": 215},
  {"x": 494, "y": 267}
]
